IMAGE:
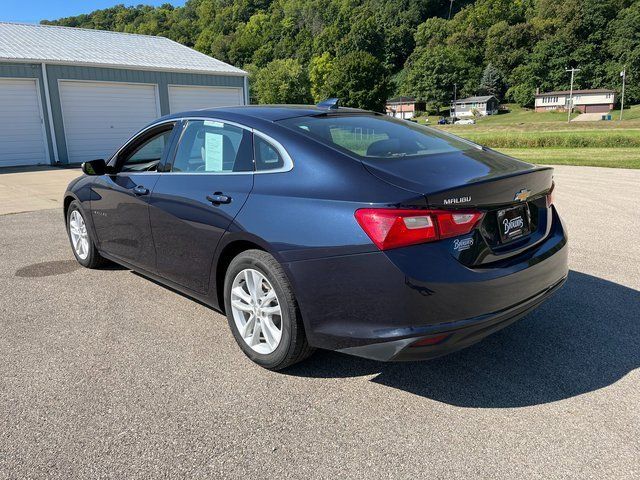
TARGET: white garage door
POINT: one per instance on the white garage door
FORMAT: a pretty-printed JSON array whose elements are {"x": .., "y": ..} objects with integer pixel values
[
  {"x": 99, "y": 117},
  {"x": 183, "y": 98},
  {"x": 22, "y": 137}
]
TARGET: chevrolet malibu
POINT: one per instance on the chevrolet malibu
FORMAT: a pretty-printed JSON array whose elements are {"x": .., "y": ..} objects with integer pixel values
[{"x": 325, "y": 227}]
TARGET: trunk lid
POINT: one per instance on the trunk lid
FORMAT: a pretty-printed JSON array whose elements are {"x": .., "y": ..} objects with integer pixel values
[
  {"x": 469, "y": 178},
  {"x": 510, "y": 193}
]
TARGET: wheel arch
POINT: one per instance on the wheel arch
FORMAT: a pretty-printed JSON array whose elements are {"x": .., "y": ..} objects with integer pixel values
[
  {"x": 227, "y": 253},
  {"x": 68, "y": 198}
]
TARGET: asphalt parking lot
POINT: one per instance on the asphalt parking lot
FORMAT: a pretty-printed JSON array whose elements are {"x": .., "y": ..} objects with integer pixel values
[{"x": 107, "y": 374}]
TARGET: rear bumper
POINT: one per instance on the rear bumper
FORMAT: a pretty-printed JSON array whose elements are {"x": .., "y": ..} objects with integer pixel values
[
  {"x": 459, "y": 334},
  {"x": 376, "y": 304}
]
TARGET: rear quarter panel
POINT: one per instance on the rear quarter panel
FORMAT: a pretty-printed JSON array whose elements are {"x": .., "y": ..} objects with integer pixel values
[{"x": 308, "y": 212}]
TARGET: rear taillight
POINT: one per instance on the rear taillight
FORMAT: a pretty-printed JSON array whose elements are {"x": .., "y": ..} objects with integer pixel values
[
  {"x": 393, "y": 228},
  {"x": 550, "y": 195}
]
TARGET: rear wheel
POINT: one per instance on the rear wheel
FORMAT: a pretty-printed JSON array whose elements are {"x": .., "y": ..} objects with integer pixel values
[
  {"x": 262, "y": 311},
  {"x": 81, "y": 240}
]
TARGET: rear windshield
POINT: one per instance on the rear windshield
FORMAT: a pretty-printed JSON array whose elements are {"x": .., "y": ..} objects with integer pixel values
[{"x": 376, "y": 136}]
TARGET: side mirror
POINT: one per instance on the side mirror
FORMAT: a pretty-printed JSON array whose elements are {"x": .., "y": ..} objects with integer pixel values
[{"x": 95, "y": 167}]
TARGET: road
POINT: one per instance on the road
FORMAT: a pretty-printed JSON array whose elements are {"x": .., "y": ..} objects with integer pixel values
[{"x": 107, "y": 374}]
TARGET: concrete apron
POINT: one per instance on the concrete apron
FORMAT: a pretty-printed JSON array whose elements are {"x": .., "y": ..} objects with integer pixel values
[{"x": 26, "y": 189}]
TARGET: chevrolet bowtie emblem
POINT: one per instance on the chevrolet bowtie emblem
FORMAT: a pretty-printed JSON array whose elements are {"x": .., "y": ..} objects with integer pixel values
[{"x": 522, "y": 195}]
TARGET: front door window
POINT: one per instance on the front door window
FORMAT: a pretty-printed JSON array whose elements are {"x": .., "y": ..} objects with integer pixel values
[{"x": 146, "y": 156}]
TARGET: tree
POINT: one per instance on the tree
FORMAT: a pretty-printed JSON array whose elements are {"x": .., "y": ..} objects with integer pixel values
[
  {"x": 282, "y": 81},
  {"x": 522, "y": 94},
  {"x": 414, "y": 46},
  {"x": 432, "y": 72},
  {"x": 492, "y": 82},
  {"x": 319, "y": 69},
  {"x": 508, "y": 46},
  {"x": 433, "y": 32},
  {"x": 399, "y": 43},
  {"x": 366, "y": 34},
  {"x": 249, "y": 38},
  {"x": 624, "y": 47},
  {"x": 359, "y": 80}
]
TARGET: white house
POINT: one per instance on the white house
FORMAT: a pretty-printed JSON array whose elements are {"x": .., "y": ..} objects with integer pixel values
[{"x": 600, "y": 100}]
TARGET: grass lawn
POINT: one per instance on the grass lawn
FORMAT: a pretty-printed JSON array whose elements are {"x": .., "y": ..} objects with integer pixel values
[
  {"x": 518, "y": 115},
  {"x": 548, "y": 137},
  {"x": 618, "y": 138},
  {"x": 592, "y": 157}
]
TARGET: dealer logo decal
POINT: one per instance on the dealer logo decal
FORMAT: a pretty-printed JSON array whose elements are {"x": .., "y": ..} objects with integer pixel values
[
  {"x": 462, "y": 244},
  {"x": 512, "y": 224}
]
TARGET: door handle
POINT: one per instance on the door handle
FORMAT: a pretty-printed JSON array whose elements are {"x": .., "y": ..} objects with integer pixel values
[
  {"x": 140, "y": 190},
  {"x": 218, "y": 198}
]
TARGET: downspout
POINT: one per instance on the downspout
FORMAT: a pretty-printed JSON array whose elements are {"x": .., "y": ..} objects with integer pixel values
[
  {"x": 47, "y": 100},
  {"x": 246, "y": 89}
]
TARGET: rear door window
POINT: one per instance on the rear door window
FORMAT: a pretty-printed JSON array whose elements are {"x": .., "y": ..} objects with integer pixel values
[{"x": 208, "y": 146}]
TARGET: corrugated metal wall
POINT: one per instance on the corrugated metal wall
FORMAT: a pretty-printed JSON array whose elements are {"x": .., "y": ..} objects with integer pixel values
[
  {"x": 68, "y": 72},
  {"x": 28, "y": 70}
]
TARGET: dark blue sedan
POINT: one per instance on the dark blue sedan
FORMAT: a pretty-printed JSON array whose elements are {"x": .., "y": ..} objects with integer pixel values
[{"x": 326, "y": 227}]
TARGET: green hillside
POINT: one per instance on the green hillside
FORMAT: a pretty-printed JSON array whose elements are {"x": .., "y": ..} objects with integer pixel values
[{"x": 364, "y": 51}]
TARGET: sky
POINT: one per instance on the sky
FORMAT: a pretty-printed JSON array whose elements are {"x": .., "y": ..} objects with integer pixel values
[{"x": 32, "y": 11}]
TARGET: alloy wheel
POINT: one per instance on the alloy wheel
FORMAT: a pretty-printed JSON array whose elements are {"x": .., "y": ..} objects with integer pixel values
[
  {"x": 256, "y": 311},
  {"x": 79, "y": 235}
]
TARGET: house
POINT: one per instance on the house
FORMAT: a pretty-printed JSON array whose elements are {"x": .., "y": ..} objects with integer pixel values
[
  {"x": 68, "y": 95},
  {"x": 600, "y": 100},
  {"x": 480, "y": 105},
  {"x": 404, "y": 107}
]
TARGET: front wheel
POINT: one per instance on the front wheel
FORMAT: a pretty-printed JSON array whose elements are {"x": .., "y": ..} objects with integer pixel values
[
  {"x": 81, "y": 240},
  {"x": 262, "y": 311}
]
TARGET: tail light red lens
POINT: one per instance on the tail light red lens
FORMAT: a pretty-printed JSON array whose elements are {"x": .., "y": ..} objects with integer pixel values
[
  {"x": 392, "y": 228},
  {"x": 453, "y": 224}
]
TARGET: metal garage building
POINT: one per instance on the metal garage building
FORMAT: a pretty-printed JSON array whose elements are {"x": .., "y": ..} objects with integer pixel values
[{"x": 68, "y": 95}]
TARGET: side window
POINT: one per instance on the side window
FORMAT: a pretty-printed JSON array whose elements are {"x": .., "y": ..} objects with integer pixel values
[
  {"x": 208, "y": 146},
  {"x": 267, "y": 157},
  {"x": 146, "y": 157}
]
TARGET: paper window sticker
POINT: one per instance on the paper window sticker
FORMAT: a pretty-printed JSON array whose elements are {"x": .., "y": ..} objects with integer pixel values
[
  {"x": 210, "y": 123},
  {"x": 213, "y": 152}
]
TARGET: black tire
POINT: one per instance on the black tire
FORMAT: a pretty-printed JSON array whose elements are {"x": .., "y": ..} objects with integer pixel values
[
  {"x": 293, "y": 346},
  {"x": 94, "y": 259}
]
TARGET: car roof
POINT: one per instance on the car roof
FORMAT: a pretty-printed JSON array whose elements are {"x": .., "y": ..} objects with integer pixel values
[{"x": 271, "y": 113}]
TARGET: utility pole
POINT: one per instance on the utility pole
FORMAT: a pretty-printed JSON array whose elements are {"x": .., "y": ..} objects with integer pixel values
[
  {"x": 455, "y": 99},
  {"x": 623, "y": 74},
  {"x": 573, "y": 71},
  {"x": 450, "y": 7}
]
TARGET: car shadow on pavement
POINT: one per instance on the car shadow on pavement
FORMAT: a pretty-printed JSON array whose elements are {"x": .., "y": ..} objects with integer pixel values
[{"x": 586, "y": 337}]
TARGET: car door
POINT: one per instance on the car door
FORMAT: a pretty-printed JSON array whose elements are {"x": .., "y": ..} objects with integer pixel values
[
  {"x": 120, "y": 203},
  {"x": 195, "y": 201}
]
